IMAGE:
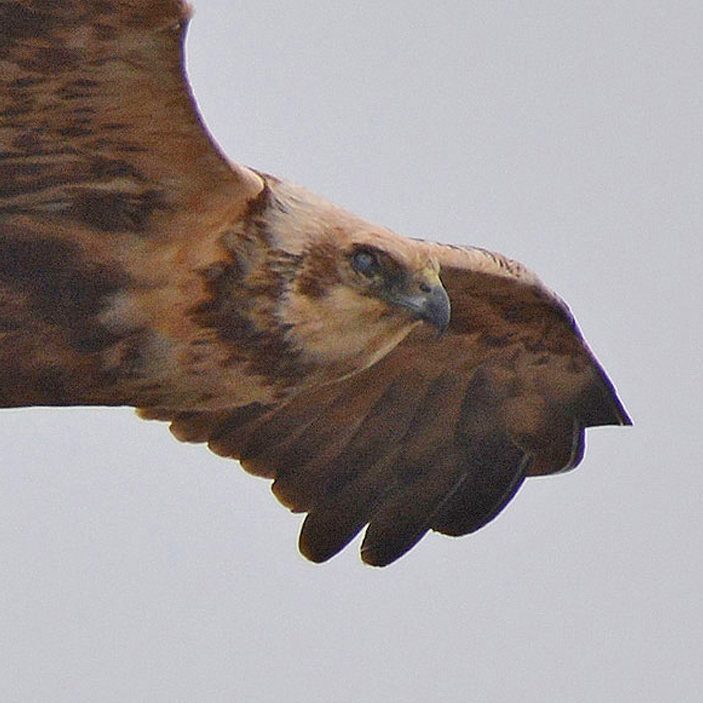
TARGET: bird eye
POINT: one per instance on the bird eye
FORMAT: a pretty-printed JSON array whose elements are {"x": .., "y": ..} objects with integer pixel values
[{"x": 365, "y": 262}]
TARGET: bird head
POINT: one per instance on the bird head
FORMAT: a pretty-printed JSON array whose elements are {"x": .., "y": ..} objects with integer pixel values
[{"x": 357, "y": 289}]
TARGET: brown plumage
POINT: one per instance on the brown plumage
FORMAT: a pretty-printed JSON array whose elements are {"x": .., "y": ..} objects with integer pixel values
[{"x": 138, "y": 267}]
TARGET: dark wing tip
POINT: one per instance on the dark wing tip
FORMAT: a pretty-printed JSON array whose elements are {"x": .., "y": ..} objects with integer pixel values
[{"x": 600, "y": 404}]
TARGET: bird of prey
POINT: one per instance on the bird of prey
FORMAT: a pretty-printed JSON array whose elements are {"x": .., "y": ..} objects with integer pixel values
[{"x": 381, "y": 382}]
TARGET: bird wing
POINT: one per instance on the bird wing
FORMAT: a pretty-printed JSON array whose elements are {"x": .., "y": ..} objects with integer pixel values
[
  {"x": 439, "y": 434},
  {"x": 98, "y": 123},
  {"x": 108, "y": 180}
]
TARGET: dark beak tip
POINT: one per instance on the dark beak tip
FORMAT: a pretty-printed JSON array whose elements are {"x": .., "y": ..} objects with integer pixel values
[
  {"x": 438, "y": 311},
  {"x": 431, "y": 306}
]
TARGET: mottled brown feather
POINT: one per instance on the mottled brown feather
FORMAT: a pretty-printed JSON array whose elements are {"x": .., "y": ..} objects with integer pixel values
[{"x": 107, "y": 182}]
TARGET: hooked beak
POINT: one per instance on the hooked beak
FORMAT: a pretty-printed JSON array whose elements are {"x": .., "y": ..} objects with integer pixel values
[{"x": 429, "y": 303}]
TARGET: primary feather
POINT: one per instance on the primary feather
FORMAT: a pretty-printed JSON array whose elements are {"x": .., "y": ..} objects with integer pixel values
[{"x": 138, "y": 267}]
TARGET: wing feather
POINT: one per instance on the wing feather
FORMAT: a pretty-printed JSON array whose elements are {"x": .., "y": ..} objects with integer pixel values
[{"x": 440, "y": 433}]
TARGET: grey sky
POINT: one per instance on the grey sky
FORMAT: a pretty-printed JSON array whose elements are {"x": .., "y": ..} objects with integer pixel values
[{"x": 566, "y": 135}]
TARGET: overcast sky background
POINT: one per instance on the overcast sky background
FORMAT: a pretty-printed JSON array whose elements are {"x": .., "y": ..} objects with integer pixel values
[{"x": 566, "y": 135}]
